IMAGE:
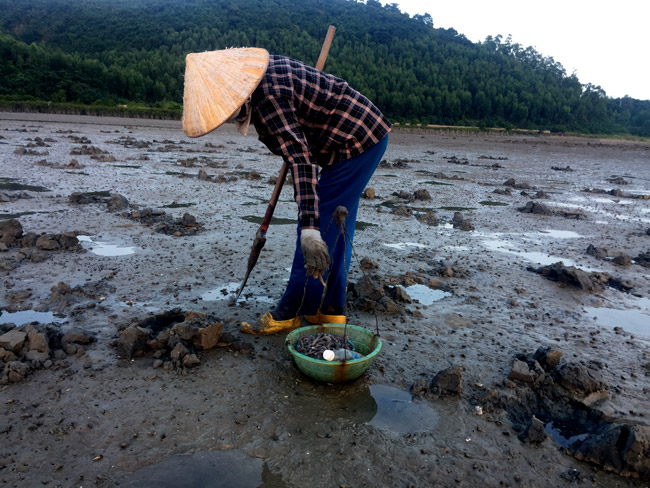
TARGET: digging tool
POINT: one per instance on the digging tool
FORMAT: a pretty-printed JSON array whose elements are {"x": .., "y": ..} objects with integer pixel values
[{"x": 260, "y": 235}]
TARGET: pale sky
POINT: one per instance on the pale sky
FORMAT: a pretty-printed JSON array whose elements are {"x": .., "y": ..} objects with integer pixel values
[{"x": 606, "y": 43}]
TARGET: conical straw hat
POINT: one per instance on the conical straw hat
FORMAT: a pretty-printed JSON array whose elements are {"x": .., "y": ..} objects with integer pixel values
[{"x": 217, "y": 84}]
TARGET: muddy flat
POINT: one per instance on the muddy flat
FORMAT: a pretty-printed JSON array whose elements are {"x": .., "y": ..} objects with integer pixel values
[{"x": 466, "y": 284}]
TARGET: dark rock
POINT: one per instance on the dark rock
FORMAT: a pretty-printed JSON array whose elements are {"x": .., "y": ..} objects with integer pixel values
[
  {"x": 509, "y": 182},
  {"x": 430, "y": 218},
  {"x": 624, "y": 449},
  {"x": 67, "y": 240},
  {"x": 77, "y": 335},
  {"x": 13, "y": 340},
  {"x": 45, "y": 243},
  {"x": 10, "y": 231},
  {"x": 536, "y": 208},
  {"x": 29, "y": 240},
  {"x": 367, "y": 263},
  {"x": 579, "y": 379},
  {"x": 521, "y": 372},
  {"x": 370, "y": 288},
  {"x": 402, "y": 211},
  {"x": 188, "y": 219},
  {"x": 132, "y": 342},
  {"x": 208, "y": 337},
  {"x": 17, "y": 371},
  {"x": 622, "y": 260},
  {"x": 466, "y": 225},
  {"x": 548, "y": 356},
  {"x": 117, "y": 202},
  {"x": 401, "y": 295},
  {"x": 574, "y": 277},
  {"x": 422, "y": 194},
  {"x": 448, "y": 381},
  {"x": 191, "y": 360},
  {"x": 404, "y": 195},
  {"x": 598, "y": 252},
  {"x": 534, "y": 433},
  {"x": 420, "y": 387},
  {"x": 203, "y": 175},
  {"x": 179, "y": 352},
  {"x": 643, "y": 259}
]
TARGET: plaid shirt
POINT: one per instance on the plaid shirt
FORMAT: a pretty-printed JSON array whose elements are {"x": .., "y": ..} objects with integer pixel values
[{"x": 312, "y": 119}]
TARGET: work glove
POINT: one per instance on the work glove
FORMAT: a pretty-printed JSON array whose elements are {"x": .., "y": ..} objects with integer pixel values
[{"x": 315, "y": 252}]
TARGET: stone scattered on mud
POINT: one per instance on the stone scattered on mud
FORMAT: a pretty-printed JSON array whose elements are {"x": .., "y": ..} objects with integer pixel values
[
  {"x": 519, "y": 186},
  {"x": 621, "y": 448},
  {"x": 568, "y": 396},
  {"x": 372, "y": 293},
  {"x": 172, "y": 337},
  {"x": 11, "y": 235},
  {"x": 368, "y": 193},
  {"x": 460, "y": 222},
  {"x": 430, "y": 218},
  {"x": 422, "y": 194},
  {"x": 35, "y": 346},
  {"x": 534, "y": 433},
  {"x": 577, "y": 278},
  {"x": 535, "y": 208},
  {"x": 617, "y": 192}
]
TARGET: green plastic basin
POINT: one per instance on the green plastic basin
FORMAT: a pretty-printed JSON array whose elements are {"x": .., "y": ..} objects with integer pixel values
[{"x": 365, "y": 342}]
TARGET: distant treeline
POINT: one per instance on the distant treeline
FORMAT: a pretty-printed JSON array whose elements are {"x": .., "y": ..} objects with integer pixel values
[{"x": 120, "y": 52}]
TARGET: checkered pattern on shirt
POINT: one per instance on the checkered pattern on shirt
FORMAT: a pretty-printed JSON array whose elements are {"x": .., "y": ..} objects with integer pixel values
[{"x": 312, "y": 119}]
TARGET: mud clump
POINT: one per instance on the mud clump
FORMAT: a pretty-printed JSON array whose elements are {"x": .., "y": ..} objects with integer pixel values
[
  {"x": 518, "y": 186},
  {"x": 447, "y": 382},
  {"x": 63, "y": 297},
  {"x": 430, "y": 218},
  {"x": 368, "y": 194},
  {"x": 31, "y": 347},
  {"x": 174, "y": 339},
  {"x": 542, "y": 396}
]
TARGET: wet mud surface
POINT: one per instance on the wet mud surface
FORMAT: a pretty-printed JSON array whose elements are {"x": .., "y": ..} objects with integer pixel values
[{"x": 122, "y": 243}]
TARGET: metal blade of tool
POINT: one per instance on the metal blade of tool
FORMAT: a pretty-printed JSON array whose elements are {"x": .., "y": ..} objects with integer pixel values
[{"x": 260, "y": 236}]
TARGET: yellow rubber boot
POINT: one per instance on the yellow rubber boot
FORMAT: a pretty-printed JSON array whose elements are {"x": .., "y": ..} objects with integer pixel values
[
  {"x": 322, "y": 318},
  {"x": 267, "y": 325}
]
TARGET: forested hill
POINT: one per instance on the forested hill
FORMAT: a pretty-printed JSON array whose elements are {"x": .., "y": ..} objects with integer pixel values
[{"x": 110, "y": 52}]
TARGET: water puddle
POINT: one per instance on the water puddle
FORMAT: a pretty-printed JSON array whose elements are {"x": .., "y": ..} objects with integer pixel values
[
  {"x": 29, "y": 316},
  {"x": 426, "y": 295},
  {"x": 493, "y": 203},
  {"x": 228, "y": 291},
  {"x": 534, "y": 256},
  {"x": 401, "y": 246},
  {"x": 397, "y": 412},
  {"x": 254, "y": 219},
  {"x": 634, "y": 321},
  {"x": 434, "y": 182},
  {"x": 561, "y": 433},
  {"x": 178, "y": 205},
  {"x": 132, "y": 166},
  {"x": 361, "y": 225},
  {"x": 559, "y": 234},
  {"x": 206, "y": 469},
  {"x": 9, "y": 184},
  {"x": 103, "y": 248},
  {"x": 457, "y": 209}
]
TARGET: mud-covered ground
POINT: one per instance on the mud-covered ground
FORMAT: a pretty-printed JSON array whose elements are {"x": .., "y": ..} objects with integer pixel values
[{"x": 76, "y": 415}]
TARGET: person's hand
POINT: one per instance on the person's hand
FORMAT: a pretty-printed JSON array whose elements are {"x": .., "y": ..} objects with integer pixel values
[{"x": 315, "y": 252}]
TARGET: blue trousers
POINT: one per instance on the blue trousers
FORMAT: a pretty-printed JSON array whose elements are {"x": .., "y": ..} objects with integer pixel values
[{"x": 339, "y": 185}]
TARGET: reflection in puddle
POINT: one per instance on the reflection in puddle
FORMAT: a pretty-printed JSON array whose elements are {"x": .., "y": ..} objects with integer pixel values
[
  {"x": 559, "y": 433},
  {"x": 403, "y": 245},
  {"x": 397, "y": 412},
  {"x": 634, "y": 321},
  {"x": 207, "y": 469},
  {"x": 425, "y": 295},
  {"x": 381, "y": 406},
  {"x": 457, "y": 209},
  {"x": 228, "y": 291},
  {"x": 28, "y": 316},
  {"x": 103, "y": 248}
]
